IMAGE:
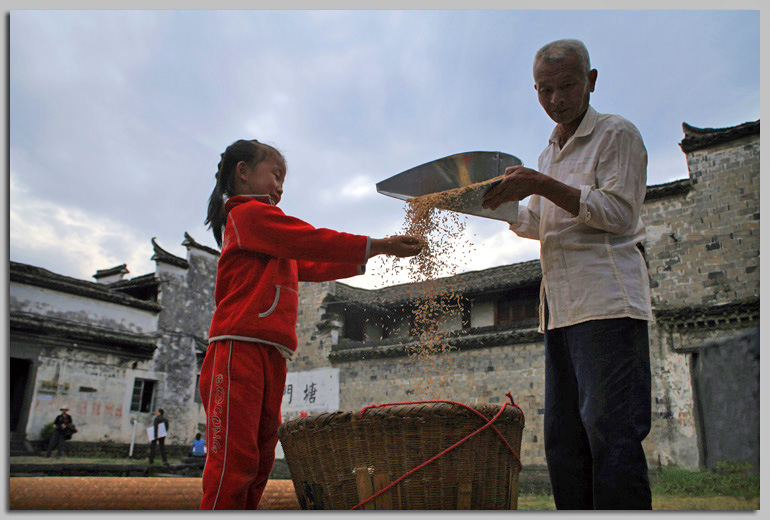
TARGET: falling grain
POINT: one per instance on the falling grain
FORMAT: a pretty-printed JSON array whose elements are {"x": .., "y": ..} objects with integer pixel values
[{"x": 434, "y": 296}]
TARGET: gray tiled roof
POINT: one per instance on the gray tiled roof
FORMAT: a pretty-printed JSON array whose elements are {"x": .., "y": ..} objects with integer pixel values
[
  {"x": 145, "y": 280},
  {"x": 136, "y": 345},
  {"x": 743, "y": 312},
  {"x": 493, "y": 279},
  {"x": 668, "y": 189},
  {"x": 39, "y": 277},
  {"x": 466, "y": 339},
  {"x": 161, "y": 255},
  {"x": 118, "y": 269},
  {"x": 698, "y": 138},
  {"x": 190, "y": 242}
]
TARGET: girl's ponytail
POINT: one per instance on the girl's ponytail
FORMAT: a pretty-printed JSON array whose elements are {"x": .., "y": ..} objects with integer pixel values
[{"x": 216, "y": 216}]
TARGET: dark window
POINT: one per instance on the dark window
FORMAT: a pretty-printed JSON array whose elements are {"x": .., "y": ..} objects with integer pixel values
[
  {"x": 465, "y": 313},
  {"x": 517, "y": 305},
  {"x": 385, "y": 325},
  {"x": 353, "y": 329},
  {"x": 143, "y": 396}
]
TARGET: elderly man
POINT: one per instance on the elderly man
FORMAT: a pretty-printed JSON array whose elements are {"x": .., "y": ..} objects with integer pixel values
[{"x": 586, "y": 198}]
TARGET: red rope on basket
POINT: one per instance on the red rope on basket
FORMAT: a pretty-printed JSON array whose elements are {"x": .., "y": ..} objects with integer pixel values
[{"x": 488, "y": 424}]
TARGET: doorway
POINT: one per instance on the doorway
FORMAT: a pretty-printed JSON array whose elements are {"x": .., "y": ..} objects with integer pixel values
[{"x": 19, "y": 369}]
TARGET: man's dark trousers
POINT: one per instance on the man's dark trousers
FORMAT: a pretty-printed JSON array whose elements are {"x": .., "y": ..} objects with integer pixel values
[
  {"x": 57, "y": 440},
  {"x": 161, "y": 441},
  {"x": 597, "y": 412}
]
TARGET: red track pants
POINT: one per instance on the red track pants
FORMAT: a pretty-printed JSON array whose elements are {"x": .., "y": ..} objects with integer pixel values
[{"x": 242, "y": 388}]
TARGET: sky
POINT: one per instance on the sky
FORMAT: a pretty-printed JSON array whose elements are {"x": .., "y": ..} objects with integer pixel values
[{"x": 117, "y": 119}]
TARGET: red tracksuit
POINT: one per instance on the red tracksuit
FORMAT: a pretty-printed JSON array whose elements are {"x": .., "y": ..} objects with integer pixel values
[{"x": 264, "y": 255}]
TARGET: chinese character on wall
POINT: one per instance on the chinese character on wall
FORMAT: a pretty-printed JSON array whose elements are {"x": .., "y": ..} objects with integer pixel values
[{"x": 310, "y": 391}]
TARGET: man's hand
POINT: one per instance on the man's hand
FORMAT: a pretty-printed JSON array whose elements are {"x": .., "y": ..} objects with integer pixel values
[
  {"x": 399, "y": 245},
  {"x": 519, "y": 183}
]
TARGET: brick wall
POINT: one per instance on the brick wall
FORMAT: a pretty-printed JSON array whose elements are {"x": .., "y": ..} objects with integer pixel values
[
  {"x": 703, "y": 247},
  {"x": 315, "y": 332}
]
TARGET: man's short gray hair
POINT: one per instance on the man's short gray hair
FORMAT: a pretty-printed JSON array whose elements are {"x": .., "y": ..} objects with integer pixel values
[{"x": 560, "y": 49}]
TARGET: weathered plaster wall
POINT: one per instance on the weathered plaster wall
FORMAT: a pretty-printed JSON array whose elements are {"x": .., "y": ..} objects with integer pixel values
[
  {"x": 96, "y": 387},
  {"x": 673, "y": 437},
  {"x": 45, "y": 302},
  {"x": 187, "y": 298},
  {"x": 187, "y": 295}
]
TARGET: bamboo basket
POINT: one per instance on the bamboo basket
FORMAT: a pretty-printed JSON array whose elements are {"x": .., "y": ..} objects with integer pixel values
[{"x": 338, "y": 460}]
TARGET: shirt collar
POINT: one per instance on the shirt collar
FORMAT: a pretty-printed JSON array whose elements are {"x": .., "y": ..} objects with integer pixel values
[
  {"x": 585, "y": 128},
  {"x": 267, "y": 199}
]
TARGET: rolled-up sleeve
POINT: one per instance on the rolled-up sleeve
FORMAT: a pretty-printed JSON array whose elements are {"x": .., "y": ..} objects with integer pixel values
[{"x": 615, "y": 202}]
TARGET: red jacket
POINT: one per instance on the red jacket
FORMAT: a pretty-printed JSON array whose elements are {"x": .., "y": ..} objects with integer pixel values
[{"x": 264, "y": 254}]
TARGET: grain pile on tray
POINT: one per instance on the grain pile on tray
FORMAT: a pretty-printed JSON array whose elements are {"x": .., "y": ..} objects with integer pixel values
[{"x": 434, "y": 297}]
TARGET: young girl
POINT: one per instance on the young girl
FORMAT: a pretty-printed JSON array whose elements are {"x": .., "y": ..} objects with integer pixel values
[{"x": 264, "y": 254}]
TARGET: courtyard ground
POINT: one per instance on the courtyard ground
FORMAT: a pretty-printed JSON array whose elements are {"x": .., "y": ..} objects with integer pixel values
[{"x": 726, "y": 488}]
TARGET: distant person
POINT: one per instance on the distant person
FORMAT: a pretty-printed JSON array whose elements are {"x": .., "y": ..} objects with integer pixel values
[
  {"x": 198, "y": 446},
  {"x": 62, "y": 430},
  {"x": 253, "y": 331},
  {"x": 585, "y": 206},
  {"x": 161, "y": 441}
]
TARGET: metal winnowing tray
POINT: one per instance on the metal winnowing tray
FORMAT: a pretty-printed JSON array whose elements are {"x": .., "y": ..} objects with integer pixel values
[{"x": 456, "y": 171}]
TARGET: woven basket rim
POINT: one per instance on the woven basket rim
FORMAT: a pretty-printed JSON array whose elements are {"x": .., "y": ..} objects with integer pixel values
[{"x": 405, "y": 411}]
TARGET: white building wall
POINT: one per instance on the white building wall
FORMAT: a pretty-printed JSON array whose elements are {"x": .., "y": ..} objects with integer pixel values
[{"x": 46, "y": 302}]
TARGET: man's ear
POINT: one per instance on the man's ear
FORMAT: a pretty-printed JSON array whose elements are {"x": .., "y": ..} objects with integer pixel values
[{"x": 592, "y": 75}]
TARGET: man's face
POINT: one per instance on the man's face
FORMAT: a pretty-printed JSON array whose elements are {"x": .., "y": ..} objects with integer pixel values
[{"x": 563, "y": 90}]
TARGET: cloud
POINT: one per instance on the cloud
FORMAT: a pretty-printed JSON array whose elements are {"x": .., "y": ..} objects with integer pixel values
[
  {"x": 70, "y": 241},
  {"x": 352, "y": 191},
  {"x": 118, "y": 118}
]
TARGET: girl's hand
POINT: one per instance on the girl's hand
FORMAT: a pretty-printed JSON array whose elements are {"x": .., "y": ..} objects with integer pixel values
[{"x": 399, "y": 245}]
